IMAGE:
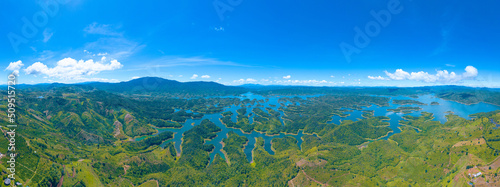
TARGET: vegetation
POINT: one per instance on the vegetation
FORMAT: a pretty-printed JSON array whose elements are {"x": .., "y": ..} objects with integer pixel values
[
  {"x": 80, "y": 135},
  {"x": 405, "y": 110},
  {"x": 407, "y": 102},
  {"x": 148, "y": 142}
]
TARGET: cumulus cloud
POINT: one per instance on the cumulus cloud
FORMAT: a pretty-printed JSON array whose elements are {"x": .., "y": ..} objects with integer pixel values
[
  {"x": 470, "y": 72},
  {"x": 398, "y": 75},
  {"x": 15, "y": 67},
  {"x": 242, "y": 81},
  {"x": 205, "y": 76},
  {"x": 442, "y": 76},
  {"x": 69, "y": 68},
  {"x": 377, "y": 78},
  {"x": 194, "y": 76},
  {"x": 287, "y": 77}
]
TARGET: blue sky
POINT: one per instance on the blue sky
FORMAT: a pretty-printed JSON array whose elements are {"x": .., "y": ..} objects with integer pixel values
[{"x": 320, "y": 43}]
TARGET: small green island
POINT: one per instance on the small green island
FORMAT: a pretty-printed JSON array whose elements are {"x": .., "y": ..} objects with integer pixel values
[
  {"x": 407, "y": 102},
  {"x": 434, "y": 103},
  {"x": 405, "y": 110}
]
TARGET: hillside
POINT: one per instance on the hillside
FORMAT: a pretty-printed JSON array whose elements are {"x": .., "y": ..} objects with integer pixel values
[{"x": 92, "y": 135}]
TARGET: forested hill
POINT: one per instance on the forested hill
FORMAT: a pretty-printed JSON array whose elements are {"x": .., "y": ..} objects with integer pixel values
[
  {"x": 160, "y": 85},
  {"x": 151, "y": 86}
]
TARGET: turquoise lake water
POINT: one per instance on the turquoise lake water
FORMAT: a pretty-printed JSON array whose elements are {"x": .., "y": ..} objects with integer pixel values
[{"x": 439, "y": 111}]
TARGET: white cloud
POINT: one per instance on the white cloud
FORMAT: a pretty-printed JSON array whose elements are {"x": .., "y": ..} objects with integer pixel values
[
  {"x": 242, "y": 81},
  {"x": 173, "y": 61},
  {"x": 450, "y": 65},
  {"x": 398, "y": 75},
  {"x": 15, "y": 67},
  {"x": 180, "y": 75},
  {"x": 332, "y": 76},
  {"x": 194, "y": 76},
  {"x": 442, "y": 76},
  {"x": 470, "y": 72},
  {"x": 94, "y": 79},
  {"x": 377, "y": 78},
  {"x": 115, "y": 47},
  {"x": 287, "y": 77},
  {"x": 69, "y": 68},
  {"x": 45, "y": 55},
  {"x": 102, "y": 29},
  {"x": 47, "y": 35},
  {"x": 301, "y": 82},
  {"x": 136, "y": 77},
  {"x": 205, "y": 76},
  {"x": 219, "y": 28}
]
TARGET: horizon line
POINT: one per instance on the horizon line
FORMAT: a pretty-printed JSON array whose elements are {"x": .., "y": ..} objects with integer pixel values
[{"x": 263, "y": 85}]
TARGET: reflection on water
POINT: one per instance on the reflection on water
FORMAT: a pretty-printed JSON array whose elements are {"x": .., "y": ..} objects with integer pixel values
[{"x": 439, "y": 112}]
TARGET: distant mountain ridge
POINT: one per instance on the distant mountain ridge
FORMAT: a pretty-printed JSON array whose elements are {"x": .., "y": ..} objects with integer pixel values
[
  {"x": 160, "y": 87},
  {"x": 151, "y": 85}
]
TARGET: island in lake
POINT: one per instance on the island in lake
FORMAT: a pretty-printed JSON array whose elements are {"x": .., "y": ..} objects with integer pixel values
[
  {"x": 407, "y": 102},
  {"x": 405, "y": 110}
]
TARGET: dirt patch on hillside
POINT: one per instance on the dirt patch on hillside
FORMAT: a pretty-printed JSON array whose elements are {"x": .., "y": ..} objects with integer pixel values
[
  {"x": 479, "y": 141},
  {"x": 302, "y": 180},
  {"x": 125, "y": 168},
  {"x": 118, "y": 126},
  {"x": 304, "y": 163},
  {"x": 128, "y": 118},
  {"x": 494, "y": 166}
]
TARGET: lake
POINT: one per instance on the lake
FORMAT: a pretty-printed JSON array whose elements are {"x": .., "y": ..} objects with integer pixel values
[{"x": 439, "y": 111}]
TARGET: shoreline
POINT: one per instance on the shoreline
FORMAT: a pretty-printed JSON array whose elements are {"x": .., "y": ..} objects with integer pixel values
[
  {"x": 400, "y": 125},
  {"x": 224, "y": 152},
  {"x": 469, "y": 103},
  {"x": 255, "y": 146},
  {"x": 265, "y": 133},
  {"x": 180, "y": 147},
  {"x": 379, "y": 138}
]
